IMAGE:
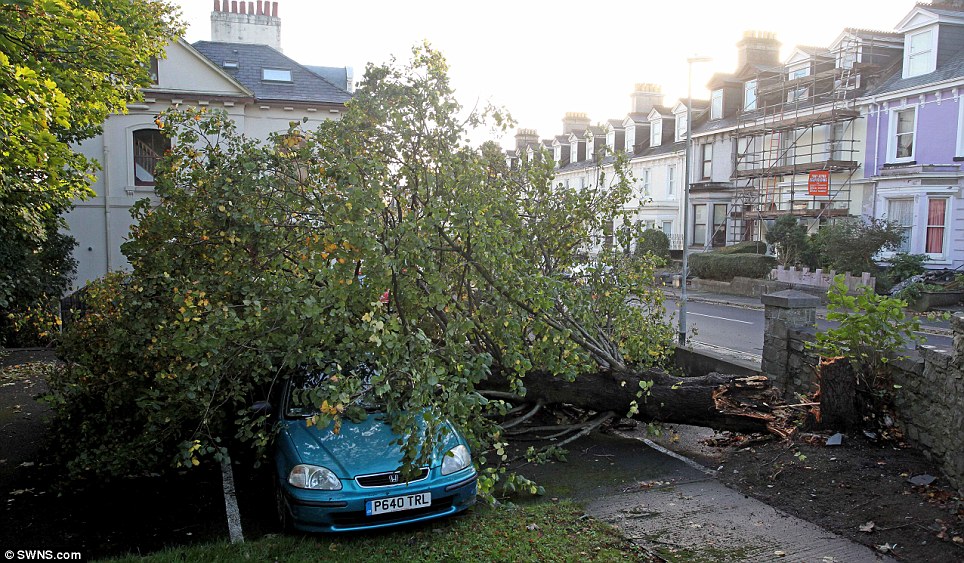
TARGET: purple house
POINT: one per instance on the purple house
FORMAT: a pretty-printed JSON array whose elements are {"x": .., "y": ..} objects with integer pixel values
[{"x": 915, "y": 136}]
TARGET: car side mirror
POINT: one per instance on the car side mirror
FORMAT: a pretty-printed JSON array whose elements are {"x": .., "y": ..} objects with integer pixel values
[{"x": 262, "y": 407}]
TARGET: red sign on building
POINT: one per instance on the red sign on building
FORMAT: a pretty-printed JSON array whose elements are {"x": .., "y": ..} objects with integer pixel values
[{"x": 819, "y": 183}]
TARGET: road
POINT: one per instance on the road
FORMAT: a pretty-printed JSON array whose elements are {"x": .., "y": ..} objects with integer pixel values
[{"x": 740, "y": 328}]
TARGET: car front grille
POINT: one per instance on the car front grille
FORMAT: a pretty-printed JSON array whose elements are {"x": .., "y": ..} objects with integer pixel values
[{"x": 389, "y": 479}]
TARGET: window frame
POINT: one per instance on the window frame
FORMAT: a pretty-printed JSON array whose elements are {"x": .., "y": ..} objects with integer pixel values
[
  {"x": 706, "y": 154},
  {"x": 265, "y": 75},
  {"x": 697, "y": 224},
  {"x": 629, "y": 139},
  {"x": 749, "y": 101},
  {"x": 681, "y": 126},
  {"x": 718, "y": 236},
  {"x": 908, "y": 243},
  {"x": 152, "y": 161},
  {"x": 716, "y": 104},
  {"x": 928, "y": 55},
  {"x": 655, "y": 132},
  {"x": 893, "y": 141},
  {"x": 960, "y": 127},
  {"x": 671, "y": 180},
  {"x": 944, "y": 227}
]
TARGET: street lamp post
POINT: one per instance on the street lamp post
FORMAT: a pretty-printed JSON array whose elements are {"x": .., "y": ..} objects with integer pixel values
[{"x": 686, "y": 191}]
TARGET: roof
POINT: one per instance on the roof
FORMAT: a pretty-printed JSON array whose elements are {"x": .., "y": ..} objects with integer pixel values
[
  {"x": 305, "y": 85},
  {"x": 337, "y": 75},
  {"x": 947, "y": 71},
  {"x": 812, "y": 50}
]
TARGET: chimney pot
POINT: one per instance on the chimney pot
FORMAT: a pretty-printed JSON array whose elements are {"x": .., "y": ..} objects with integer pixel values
[
  {"x": 234, "y": 6},
  {"x": 274, "y": 9},
  {"x": 260, "y": 7},
  {"x": 217, "y": 5},
  {"x": 243, "y": 7},
  {"x": 251, "y": 8}
]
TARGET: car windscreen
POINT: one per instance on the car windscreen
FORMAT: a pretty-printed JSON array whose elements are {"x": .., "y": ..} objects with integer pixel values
[{"x": 307, "y": 381}]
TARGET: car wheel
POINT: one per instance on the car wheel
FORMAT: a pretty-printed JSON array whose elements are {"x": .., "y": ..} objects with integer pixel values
[{"x": 281, "y": 509}]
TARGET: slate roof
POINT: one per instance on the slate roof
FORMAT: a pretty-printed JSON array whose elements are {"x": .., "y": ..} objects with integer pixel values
[
  {"x": 305, "y": 85},
  {"x": 337, "y": 75},
  {"x": 948, "y": 71}
]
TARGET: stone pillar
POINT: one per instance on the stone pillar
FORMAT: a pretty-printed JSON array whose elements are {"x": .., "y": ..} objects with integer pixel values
[
  {"x": 784, "y": 310},
  {"x": 957, "y": 354}
]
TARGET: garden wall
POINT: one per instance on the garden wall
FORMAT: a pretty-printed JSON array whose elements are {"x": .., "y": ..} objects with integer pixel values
[{"x": 929, "y": 402}]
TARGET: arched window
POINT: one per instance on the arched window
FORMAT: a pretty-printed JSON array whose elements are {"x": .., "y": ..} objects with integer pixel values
[{"x": 149, "y": 147}]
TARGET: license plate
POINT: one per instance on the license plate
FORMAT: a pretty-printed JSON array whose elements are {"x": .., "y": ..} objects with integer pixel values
[{"x": 396, "y": 504}]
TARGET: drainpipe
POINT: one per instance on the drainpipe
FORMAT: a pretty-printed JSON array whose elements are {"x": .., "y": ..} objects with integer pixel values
[
  {"x": 106, "y": 177},
  {"x": 873, "y": 208}
]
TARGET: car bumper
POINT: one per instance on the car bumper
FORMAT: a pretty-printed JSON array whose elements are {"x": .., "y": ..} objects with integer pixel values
[{"x": 344, "y": 511}]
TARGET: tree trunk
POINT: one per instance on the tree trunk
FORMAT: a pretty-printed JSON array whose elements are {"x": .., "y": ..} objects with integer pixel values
[
  {"x": 837, "y": 395},
  {"x": 723, "y": 402}
]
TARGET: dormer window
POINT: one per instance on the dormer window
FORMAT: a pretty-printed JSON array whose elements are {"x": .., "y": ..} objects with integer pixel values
[
  {"x": 152, "y": 69},
  {"x": 231, "y": 65},
  {"x": 716, "y": 104},
  {"x": 275, "y": 75},
  {"x": 630, "y": 138},
  {"x": 799, "y": 71},
  {"x": 611, "y": 138},
  {"x": 681, "y": 126},
  {"x": 749, "y": 95},
  {"x": 919, "y": 53},
  {"x": 655, "y": 132}
]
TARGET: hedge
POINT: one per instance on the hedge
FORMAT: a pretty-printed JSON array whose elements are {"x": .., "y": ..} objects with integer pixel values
[
  {"x": 725, "y": 267},
  {"x": 745, "y": 247}
]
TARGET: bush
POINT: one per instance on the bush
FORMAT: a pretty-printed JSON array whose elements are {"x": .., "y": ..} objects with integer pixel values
[
  {"x": 903, "y": 266},
  {"x": 745, "y": 247},
  {"x": 725, "y": 267},
  {"x": 654, "y": 242},
  {"x": 850, "y": 245},
  {"x": 790, "y": 239}
]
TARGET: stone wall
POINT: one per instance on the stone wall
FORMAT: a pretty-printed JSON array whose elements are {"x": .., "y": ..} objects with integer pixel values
[{"x": 929, "y": 402}]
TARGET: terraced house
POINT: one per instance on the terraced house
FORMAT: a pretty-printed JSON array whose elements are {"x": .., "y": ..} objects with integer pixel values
[{"x": 241, "y": 71}]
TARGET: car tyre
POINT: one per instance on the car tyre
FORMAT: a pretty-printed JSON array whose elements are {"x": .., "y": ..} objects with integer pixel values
[{"x": 281, "y": 508}]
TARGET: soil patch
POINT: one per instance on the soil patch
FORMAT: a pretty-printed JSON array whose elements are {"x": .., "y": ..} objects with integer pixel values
[{"x": 841, "y": 488}]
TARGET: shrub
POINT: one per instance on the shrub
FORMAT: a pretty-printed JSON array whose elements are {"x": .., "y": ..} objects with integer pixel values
[
  {"x": 850, "y": 245},
  {"x": 745, "y": 247},
  {"x": 725, "y": 267},
  {"x": 790, "y": 239},
  {"x": 654, "y": 242},
  {"x": 903, "y": 266}
]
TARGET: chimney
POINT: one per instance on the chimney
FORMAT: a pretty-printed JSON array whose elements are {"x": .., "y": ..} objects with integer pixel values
[
  {"x": 574, "y": 121},
  {"x": 758, "y": 48},
  {"x": 247, "y": 23},
  {"x": 644, "y": 97},
  {"x": 524, "y": 138}
]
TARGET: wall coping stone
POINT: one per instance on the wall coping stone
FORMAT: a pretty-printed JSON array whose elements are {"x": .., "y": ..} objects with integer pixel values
[{"x": 790, "y": 299}]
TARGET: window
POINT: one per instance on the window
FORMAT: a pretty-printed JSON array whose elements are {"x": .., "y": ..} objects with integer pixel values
[
  {"x": 903, "y": 123},
  {"x": 699, "y": 224},
  {"x": 611, "y": 138},
  {"x": 275, "y": 75},
  {"x": 749, "y": 95},
  {"x": 149, "y": 147},
  {"x": 716, "y": 104},
  {"x": 936, "y": 223},
  {"x": 707, "y": 161},
  {"x": 919, "y": 58},
  {"x": 645, "y": 181},
  {"x": 671, "y": 180},
  {"x": 901, "y": 211},
  {"x": 800, "y": 71},
  {"x": 836, "y": 134},
  {"x": 152, "y": 70},
  {"x": 681, "y": 126},
  {"x": 667, "y": 228},
  {"x": 960, "y": 127},
  {"x": 655, "y": 132},
  {"x": 719, "y": 224},
  {"x": 630, "y": 138},
  {"x": 574, "y": 151}
]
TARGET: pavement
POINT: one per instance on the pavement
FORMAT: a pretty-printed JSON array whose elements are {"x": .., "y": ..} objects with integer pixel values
[{"x": 671, "y": 506}]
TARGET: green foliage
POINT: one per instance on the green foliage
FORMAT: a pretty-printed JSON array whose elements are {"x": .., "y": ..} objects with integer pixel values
[
  {"x": 790, "y": 239},
  {"x": 914, "y": 291},
  {"x": 849, "y": 245},
  {"x": 653, "y": 241},
  {"x": 904, "y": 265},
  {"x": 266, "y": 256},
  {"x": 871, "y": 328},
  {"x": 35, "y": 276},
  {"x": 65, "y": 65},
  {"x": 745, "y": 247},
  {"x": 725, "y": 267}
]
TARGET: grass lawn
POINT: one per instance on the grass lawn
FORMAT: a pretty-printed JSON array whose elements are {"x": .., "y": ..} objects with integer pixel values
[{"x": 537, "y": 532}]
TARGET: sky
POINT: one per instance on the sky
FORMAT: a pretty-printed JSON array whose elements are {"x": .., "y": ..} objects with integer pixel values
[{"x": 541, "y": 59}]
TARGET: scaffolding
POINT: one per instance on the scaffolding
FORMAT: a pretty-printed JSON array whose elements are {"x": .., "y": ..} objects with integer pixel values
[{"x": 804, "y": 120}]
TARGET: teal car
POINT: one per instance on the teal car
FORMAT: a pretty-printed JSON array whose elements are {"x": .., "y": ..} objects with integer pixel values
[{"x": 329, "y": 481}]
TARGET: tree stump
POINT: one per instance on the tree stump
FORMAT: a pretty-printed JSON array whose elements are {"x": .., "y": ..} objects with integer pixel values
[{"x": 837, "y": 395}]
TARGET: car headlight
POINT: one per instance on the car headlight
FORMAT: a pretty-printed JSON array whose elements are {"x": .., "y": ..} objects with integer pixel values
[
  {"x": 314, "y": 477},
  {"x": 456, "y": 459}
]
